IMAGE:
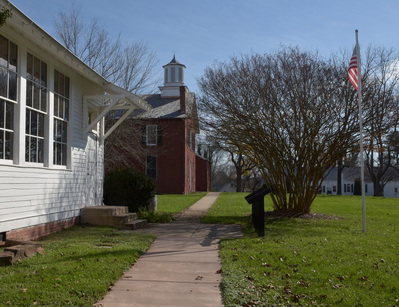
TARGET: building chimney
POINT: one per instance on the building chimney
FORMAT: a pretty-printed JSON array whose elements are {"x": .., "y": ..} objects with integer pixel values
[{"x": 183, "y": 98}]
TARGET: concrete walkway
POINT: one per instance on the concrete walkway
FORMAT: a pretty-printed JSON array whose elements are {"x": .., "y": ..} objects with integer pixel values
[{"x": 181, "y": 268}]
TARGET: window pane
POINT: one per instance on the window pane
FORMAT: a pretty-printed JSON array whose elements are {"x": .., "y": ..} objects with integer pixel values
[
  {"x": 66, "y": 91},
  {"x": 3, "y": 51},
  {"x": 61, "y": 107},
  {"x": 57, "y": 131},
  {"x": 12, "y": 90},
  {"x": 32, "y": 149},
  {"x": 43, "y": 74},
  {"x": 56, "y": 103},
  {"x": 40, "y": 147},
  {"x": 13, "y": 57},
  {"x": 64, "y": 132},
  {"x": 61, "y": 85},
  {"x": 36, "y": 95},
  {"x": 27, "y": 122},
  {"x": 36, "y": 70},
  {"x": 27, "y": 147},
  {"x": 3, "y": 81},
  {"x": 9, "y": 115},
  {"x": 33, "y": 123},
  {"x": 152, "y": 167},
  {"x": 2, "y": 144},
  {"x": 2, "y": 114},
  {"x": 40, "y": 125},
  {"x": 29, "y": 67},
  {"x": 29, "y": 94},
  {"x": 43, "y": 102},
  {"x": 66, "y": 111},
  {"x": 56, "y": 90},
  {"x": 8, "y": 146}
]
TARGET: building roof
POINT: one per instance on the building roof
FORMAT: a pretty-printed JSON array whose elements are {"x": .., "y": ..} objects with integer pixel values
[
  {"x": 167, "y": 107},
  {"x": 174, "y": 62}
]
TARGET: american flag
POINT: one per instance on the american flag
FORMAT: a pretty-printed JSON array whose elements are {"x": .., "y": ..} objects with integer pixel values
[{"x": 352, "y": 70}]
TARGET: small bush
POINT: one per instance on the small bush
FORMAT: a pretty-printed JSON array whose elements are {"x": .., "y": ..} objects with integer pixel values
[{"x": 128, "y": 187}]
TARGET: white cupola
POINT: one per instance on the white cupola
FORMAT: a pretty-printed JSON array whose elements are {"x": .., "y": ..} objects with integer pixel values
[{"x": 173, "y": 78}]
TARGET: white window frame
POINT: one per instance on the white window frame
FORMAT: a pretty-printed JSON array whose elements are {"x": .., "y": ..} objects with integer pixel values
[
  {"x": 14, "y": 103},
  {"x": 151, "y": 135},
  {"x": 65, "y": 119}
]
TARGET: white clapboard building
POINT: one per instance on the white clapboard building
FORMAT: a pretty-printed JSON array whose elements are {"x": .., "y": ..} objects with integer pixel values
[{"x": 52, "y": 109}]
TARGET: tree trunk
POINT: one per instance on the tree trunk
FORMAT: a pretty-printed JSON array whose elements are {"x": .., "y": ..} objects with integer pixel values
[
  {"x": 378, "y": 189},
  {"x": 339, "y": 177}
]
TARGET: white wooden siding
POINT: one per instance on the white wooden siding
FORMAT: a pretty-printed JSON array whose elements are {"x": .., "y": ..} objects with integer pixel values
[{"x": 31, "y": 195}]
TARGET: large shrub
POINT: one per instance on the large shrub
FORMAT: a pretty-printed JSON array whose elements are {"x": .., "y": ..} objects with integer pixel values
[{"x": 128, "y": 187}]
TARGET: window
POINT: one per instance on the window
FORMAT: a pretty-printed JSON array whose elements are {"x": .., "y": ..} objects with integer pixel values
[
  {"x": 152, "y": 135},
  {"x": 61, "y": 118},
  {"x": 36, "y": 109},
  {"x": 151, "y": 167},
  {"x": 8, "y": 95},
  {"x": 180, "y": 76},
  {"x": 173, "y": 74}
]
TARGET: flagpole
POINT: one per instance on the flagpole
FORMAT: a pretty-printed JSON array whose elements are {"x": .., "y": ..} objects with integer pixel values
[{"x": 359, "y": 97}]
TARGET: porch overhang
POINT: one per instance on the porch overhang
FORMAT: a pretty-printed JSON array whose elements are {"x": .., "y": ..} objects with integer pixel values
[{"x": 106, "y": 103}]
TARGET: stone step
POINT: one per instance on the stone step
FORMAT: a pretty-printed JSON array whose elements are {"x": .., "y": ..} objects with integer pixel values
[
  {"x": 137, "y": 224},
  {"x": 123, "y": 219},
  {"x": 115, "y": 216}
]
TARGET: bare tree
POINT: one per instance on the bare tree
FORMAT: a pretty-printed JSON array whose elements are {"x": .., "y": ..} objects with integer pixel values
[
  {"x": 381, "y": 100},
  {"x": 293, "y": 114},
  {"x": 129, "y": 66}
]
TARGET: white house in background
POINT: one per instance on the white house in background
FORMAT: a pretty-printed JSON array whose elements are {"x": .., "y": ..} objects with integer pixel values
[
  {"x": 52, "y": 109},
  {"x": 349, "y": 176}
]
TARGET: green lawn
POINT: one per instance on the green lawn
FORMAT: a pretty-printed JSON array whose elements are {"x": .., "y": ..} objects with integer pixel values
[
  {"x": 316, "y": 262},
  {"x": 175, "y": 203},
  {"x": 299, "y": 262},
  {"x": 77, "y": 268}
]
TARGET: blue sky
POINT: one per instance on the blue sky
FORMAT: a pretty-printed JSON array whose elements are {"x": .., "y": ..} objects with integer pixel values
[{"x": 202, "y": 31}]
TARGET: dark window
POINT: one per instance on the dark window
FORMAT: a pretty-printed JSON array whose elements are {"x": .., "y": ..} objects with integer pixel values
[
  {"x": 61, "y": 118},
  {"x": 8, "y": 91},
  {"x": 151, "y": 167},
  {"x": 36, "y": 109}
]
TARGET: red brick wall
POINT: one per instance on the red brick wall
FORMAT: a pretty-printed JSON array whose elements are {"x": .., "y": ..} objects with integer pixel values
[
  {"x": 176, "y": 159},
  {"x": 38, "y": 231},
  {"x": 203, "y": 182}
]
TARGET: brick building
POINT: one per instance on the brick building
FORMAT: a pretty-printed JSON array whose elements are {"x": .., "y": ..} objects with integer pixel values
[{"x": 169, "y": 137}]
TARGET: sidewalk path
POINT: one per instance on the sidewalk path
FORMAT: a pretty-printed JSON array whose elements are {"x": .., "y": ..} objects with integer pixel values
[{"x": 181, "y": 268}]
